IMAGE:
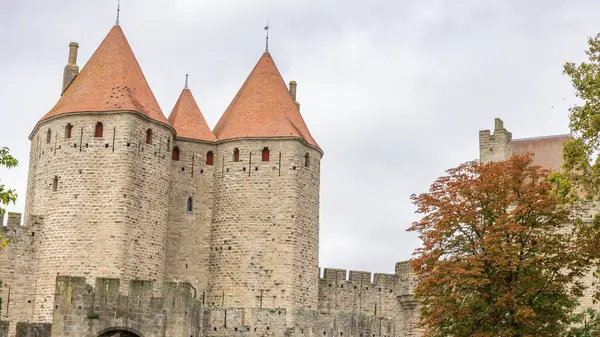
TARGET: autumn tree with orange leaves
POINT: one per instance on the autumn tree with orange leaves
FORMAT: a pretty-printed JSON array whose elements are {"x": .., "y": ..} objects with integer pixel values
[{"x": 498, "y": 258}]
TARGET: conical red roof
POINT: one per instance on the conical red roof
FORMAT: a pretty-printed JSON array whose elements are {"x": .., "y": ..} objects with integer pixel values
[
  {"x": 263, "y": 108},
  {"x": 187, "y": 119},
  {"x": 112, "y": 80}
]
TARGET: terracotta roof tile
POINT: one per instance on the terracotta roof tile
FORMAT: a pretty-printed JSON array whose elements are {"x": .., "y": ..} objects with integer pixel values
[
  {"x": 263, "y": 107},
  {"x": 187, "y": 119},
  {"x": 547, "y": 151},
  {"x": 112, "y": 80}
]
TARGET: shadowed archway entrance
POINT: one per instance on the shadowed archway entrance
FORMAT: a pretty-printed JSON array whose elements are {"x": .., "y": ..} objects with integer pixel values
[{"x": 118, "y": 333}]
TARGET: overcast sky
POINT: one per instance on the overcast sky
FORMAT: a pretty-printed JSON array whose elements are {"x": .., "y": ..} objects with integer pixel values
[{"x": 394, "y": 91}]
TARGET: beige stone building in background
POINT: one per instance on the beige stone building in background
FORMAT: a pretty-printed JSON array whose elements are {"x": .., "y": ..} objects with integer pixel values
[{"x": 139, "y": 225}]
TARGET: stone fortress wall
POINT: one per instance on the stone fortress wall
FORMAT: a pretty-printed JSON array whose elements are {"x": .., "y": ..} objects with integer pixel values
[
  {"x": 350, "y": 303},
  {"x": 82, "y": 310},
  {"x": 18, "y": 268},
  {"x": 223, "y": 229}
]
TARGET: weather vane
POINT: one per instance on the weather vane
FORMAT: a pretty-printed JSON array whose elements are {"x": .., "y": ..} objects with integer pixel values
[
  {"x": 118, "y": 10},
  {"x": 267, "y": 40}
]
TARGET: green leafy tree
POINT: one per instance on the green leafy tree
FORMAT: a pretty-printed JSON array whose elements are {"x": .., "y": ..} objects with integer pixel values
[
  {"x": 579, "y": 181},
  {"x": 495, "y": 260},
  {"x": 581, "y": 176},
  {"x": 586, "y": 324}
]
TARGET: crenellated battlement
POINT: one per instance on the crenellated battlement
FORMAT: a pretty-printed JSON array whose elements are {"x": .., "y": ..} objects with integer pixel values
[
  {"x": 366, "y": 280},
  {"x": 13, "y": 220},
  {"x": 496, "y": 146},
  {"x": 81, "y": 309},
  {"x": 386, "y": 296}
]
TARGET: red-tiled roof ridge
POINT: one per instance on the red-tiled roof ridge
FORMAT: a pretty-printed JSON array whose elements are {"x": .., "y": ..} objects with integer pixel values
[
  {"x": 187, "y": 119},
  {"x": 111, "y": 80},
  {"x": 263, "y": 108}
]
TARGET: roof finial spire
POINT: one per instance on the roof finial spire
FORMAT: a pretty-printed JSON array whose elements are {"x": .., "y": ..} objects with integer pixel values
[
  {"x": 267, "y": 39},
  {"x": 118, "y": 11},
  {"x": 186, "y": 81}
]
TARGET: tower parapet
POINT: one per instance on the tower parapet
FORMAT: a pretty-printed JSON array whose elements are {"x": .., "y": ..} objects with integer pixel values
[
  {"x": 83, "y": 310},
  {"x": 496, "y": 146}
]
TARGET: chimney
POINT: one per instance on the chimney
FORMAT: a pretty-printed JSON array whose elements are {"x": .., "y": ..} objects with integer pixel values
[
  {"x": 71, "y": 69},
  {"x": 293, "y": 86},
  {"x": 498, "y": 124}
]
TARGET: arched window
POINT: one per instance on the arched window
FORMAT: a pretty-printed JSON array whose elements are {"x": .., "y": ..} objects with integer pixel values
[
  {"x": 190, "y": 204},
  {"x": 149, "y": 136},
  {"x": 48, "y": 136},
  {"x": 265, "y": 154},
  {"x": 236, "y": 154},
  {"x": 68, "y": 130},
  {"x": 99, "y": 130},
  {"x": 209, "y": 158},
  {"x": 307, "y": 160},
  {"x": 175, "y": 154}
]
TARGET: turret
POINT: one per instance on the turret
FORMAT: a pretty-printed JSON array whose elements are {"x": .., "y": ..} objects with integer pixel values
[
  {"x": 99, "y": 175},
  {"x": 496, "y": 146},
  {"x": 264, "y": 244},
  {"x": 191, "y": 197}
]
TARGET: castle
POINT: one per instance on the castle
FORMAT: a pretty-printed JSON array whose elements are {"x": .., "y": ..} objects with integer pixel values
[{"x": 139, "y": 225}]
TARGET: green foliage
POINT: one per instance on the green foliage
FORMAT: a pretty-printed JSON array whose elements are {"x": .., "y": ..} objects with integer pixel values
[
  {"x": 581, "y": 177},
  {"x": 579, "y": 181},
  {"x": 6, "y": 195},
  {"x": 586, "y": 324}
]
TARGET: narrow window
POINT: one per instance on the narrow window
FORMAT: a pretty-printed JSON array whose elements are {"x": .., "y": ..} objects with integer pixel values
[
  {"x": 236, "y": 154},
  {"x": 99, "y": 130},
  {"x": 306, "y": 160},
  {"x": 149, "y": 136},
  {"x": 209, "y": 158},
  {"x": 68, "y": 130},
  {"x": 55, "y": 184},
  {"x": 175, "y": 155},
  {"x": 190, "y": 204},
  {"x": 265, "y": 154},
  {"x": 169, "y": 143},
  {"x": 48, "y": 136}
]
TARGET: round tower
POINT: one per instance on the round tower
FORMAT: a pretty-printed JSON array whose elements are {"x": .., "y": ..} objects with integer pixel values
[
  {"x": 264, "y": 243},
  {"x": 99, "y": 176}
]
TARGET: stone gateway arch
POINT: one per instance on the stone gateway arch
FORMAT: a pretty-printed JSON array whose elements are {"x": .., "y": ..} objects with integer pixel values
[{"x": 119, "y": 333}]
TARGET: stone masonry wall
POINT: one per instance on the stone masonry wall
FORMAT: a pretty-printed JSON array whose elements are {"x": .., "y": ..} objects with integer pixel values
[
  {"x": 18, "y": 264},
  {"x": 188, "y": 243},
  {"x": 264, "y": 244},
  {"x": 85, "y": 311},
  {"x": 102, "y": 200},
  {"x": 383, "y": 296}
]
